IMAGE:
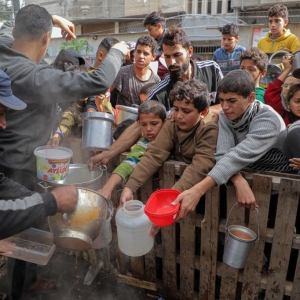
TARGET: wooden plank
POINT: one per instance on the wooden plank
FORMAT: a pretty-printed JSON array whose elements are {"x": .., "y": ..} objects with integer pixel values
[
  {"x": 146, "y": 190},
  {"x": 150, "y": 266},
  {"x": 261, "y": 187},
  {"x": 209, "y": 245},
  {"x": 296, "y": 283},
  {"x": 138, "y": 267},
  {"x": 237, "y": 217},
  {"x": 283, "y": 236},
  {"x": 187, "y": 254},
  {"x": 136, "y": 282},
  {"x": 150, "y": 261},
  {"x": 169, "y": 242}
]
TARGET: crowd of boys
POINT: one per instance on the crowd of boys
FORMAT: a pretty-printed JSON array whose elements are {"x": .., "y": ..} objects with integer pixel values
[{"x": 221, "y": 120}]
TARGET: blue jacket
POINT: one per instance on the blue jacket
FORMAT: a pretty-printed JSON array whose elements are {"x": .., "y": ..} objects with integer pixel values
[{"x": 228, "y": 61}]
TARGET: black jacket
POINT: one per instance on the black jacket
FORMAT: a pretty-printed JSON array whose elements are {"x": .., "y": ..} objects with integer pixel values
[{"x": 27, "y": 210}]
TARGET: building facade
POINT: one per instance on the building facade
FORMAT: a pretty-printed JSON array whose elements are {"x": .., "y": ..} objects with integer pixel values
[{"x": 201, "y": 19}]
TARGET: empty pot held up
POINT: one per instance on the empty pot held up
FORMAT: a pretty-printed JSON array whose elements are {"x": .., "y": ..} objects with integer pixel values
[{"x": 76, "y": 231}]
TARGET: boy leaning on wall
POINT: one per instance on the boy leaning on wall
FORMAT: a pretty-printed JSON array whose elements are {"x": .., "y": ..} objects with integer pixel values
[{"x": 279, "y": 38}]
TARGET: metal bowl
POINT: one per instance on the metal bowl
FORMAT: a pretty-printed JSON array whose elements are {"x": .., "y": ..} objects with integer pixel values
[{"x": 76, "y": 231}]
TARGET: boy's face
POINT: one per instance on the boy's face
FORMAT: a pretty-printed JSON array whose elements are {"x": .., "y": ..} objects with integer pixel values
[
  {"x": 249, "y": 66},
  {"x": 150, "y": 125},
  {"x": 229, "y": 41},
  {"x": 3, "y": 110},
  {"x": 186, "y": 115},
  {"x": 234, "y": 105},
  {"x": 295, "y": 104},
  {"x": 276, "y": 25},
  {"x": 155, "y": 31},
  {"x": 143, "y": 56}
]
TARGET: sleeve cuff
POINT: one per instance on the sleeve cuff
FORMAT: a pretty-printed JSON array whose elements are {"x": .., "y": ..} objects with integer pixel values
[{"x": 50, "y": 204}]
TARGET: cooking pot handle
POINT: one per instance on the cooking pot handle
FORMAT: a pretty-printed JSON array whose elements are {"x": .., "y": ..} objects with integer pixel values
[
  {"x": 104, "y": 168},
  {"x": 65, "y": 219},
  {"x": 257, "y": 212}
]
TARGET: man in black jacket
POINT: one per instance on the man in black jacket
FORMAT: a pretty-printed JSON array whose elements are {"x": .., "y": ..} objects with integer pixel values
[{"x": 21, "y": 208}]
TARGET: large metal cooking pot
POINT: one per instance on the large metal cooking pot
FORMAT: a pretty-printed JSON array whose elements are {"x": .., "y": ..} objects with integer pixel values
[
  {"x": 80, "y": 176},
  {"x": 76, "y": 231},
  {"x": 123, "y": 113},
  {"x": 96, "y": 130}
]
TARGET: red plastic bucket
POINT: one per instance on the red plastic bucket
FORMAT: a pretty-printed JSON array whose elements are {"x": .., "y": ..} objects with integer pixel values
[{"x": 159, "y": 209}]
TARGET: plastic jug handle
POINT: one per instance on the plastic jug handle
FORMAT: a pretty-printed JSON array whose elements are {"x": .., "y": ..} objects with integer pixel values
[{"x": 257, "y": 212}]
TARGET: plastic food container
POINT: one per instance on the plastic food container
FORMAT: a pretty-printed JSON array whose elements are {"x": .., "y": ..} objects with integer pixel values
[
  {"x": 32, "y": 245},
  {"x": 52, "y": 164},
  {"x": 133, "y": 229},
  {"x": 159, "y": 209}
]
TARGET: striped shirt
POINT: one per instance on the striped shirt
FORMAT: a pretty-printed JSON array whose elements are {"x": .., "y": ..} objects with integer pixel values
[{"x": 207, "y": 71}]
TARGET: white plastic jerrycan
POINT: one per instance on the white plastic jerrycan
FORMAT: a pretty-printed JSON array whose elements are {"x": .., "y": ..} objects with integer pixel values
[{"x": 133, "y": 229}]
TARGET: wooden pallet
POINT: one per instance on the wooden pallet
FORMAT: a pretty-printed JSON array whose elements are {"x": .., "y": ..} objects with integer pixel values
[{"x": 186, "y": 261}]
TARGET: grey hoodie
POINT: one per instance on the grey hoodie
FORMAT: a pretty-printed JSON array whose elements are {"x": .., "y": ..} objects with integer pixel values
[{"x": 41, "y": 88}]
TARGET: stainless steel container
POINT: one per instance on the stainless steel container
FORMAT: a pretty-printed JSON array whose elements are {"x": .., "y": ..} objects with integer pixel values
[
  {"x": 80, "y": 176},
  {"x": 123, "y": 113},
  {"x": 296, "y": 65},
  {"x": 76, "y": 231},
  {"x": 96, "y": 130},
  {"x": 238, "y": 244}
]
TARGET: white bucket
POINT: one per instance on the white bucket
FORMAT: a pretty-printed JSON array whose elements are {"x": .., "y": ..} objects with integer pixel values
[{"x": 52, "y": 164}]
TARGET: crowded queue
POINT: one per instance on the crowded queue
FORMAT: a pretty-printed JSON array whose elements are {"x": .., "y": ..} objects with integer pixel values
[{"x": 217, "y": 124}]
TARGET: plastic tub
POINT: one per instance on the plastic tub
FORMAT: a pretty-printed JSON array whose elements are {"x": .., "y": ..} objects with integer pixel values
[
  {"x": 159, "y": 208},
  {"x": 32, "y": 245},
  {"x": 52, "y": 164}
]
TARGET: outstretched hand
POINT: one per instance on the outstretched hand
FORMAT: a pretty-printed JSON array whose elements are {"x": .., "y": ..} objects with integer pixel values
[
  {"x": 67, "y": 27},
  {"x": 295, "y": 163}
]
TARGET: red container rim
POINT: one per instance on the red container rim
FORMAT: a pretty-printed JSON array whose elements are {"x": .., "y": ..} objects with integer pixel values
[{"x": 173, "y": 211}]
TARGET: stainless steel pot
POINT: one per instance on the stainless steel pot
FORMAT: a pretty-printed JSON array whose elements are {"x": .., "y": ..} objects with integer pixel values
[
  {"x": 80, "y": 176},
  {"x": 76, "y": 231},
  {"x": 123, "y": 113},
  {"x": 273, "y": 71},
  {"x": 96, "y": 130},
  {"x": 296, "y": 65}
]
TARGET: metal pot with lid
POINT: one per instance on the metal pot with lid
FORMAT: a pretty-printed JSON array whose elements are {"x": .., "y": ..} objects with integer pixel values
[{"x": 77, "y": 230}]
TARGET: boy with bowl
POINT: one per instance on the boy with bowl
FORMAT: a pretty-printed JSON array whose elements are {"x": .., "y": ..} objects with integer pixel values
[{"x": 191, "y": 139}]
